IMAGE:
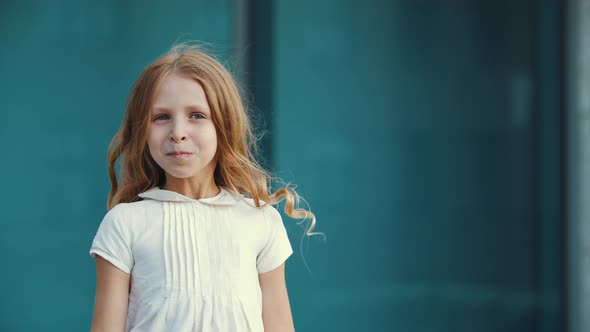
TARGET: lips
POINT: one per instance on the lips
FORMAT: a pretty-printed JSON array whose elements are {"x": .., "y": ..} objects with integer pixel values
[{"x": 178, "y": 153}]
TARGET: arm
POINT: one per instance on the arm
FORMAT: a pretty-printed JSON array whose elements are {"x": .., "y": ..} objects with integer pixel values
[
  {"x": 276, "y": 311},
  {"x": 112, "y": 296}
]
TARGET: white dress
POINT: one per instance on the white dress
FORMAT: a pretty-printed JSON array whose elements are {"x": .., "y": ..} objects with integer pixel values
[{"x": 194, "y": 264}]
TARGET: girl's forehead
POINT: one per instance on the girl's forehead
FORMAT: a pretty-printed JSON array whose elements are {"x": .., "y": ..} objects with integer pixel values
[{"x": 177, "y": 92}]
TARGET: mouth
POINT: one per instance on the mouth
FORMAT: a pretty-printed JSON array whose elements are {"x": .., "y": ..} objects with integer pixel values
[{"x": 179, "y": 155}]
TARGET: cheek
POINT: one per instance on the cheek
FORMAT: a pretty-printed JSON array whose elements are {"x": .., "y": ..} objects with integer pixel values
[
  {"x": 207, "y": 137},
  {"x": 153, "y": 143}
]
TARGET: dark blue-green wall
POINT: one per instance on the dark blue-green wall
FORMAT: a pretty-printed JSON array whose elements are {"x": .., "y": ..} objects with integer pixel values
[
  {"x": 413, "y": 129},
  {"x": 424, "y": 135}
]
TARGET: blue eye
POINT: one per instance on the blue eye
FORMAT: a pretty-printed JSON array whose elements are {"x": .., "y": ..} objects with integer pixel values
[
  {"x": 201, "y": 116},
  {"x": 160, "y": 116}
]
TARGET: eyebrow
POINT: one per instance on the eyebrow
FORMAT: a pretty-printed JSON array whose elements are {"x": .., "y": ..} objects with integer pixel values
[{"x": 191, "y": 108}]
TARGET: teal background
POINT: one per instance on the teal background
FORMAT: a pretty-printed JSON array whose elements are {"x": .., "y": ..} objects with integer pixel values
[{"x": 424, "y": 135}]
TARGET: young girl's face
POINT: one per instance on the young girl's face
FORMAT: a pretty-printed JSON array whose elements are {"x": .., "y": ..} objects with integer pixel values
[{"x": 182, "y": 138}]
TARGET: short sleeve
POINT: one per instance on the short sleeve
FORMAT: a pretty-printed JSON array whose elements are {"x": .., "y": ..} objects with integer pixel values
[
  {"x": 277, "y": 247},
  {"x": 112, "y": 241}
]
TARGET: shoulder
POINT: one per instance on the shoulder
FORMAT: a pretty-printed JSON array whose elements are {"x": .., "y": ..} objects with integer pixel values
[
  {"x": 124, "y": 210},
  {"x": 271, "y": 212},
  {"x": 247, "y": 209},
  {"x": 116, "y": 217},
  {"x": 132, "y": 208},
  {"x": 127, "y": 215},
  {"x": 273, "y": 219},
  {"x": 248, "y": 202},
  {"x": 116, "y": 212}
]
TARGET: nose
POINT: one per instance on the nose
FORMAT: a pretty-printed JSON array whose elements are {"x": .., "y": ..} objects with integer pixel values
[{"x": 177, "y": 132}]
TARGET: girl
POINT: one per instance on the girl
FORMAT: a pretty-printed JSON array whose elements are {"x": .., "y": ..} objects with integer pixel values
[{"x": 191, "y": 241}]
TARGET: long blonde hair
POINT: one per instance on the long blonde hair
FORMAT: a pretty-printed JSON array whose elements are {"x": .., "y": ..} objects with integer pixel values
[{"x": 236, "y": 167}]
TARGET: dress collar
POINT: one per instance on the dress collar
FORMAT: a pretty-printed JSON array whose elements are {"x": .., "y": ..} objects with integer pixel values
[{"x": 225, "y": 197}]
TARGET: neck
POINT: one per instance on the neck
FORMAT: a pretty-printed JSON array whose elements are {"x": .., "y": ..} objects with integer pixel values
[{"x": 192, "y": 189}]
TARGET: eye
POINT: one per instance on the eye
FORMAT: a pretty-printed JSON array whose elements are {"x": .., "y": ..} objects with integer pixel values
[
  {"x": 160, "y": 117},
  {"x": 200, "y": 116}
]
